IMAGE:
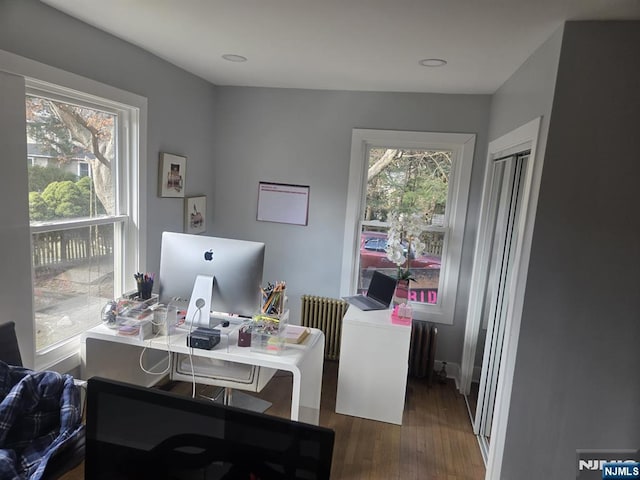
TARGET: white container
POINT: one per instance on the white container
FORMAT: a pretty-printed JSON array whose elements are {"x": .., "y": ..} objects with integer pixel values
[
  {"x": 267, "y": 333},
  {"x": 164, "y": 320}
]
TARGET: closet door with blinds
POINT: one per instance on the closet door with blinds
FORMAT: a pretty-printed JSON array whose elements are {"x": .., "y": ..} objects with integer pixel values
[{"x": 508, "y": 173}]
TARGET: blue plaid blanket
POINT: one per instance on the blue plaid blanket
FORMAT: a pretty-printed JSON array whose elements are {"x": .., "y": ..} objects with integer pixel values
[{"x": 39, "y": 414}]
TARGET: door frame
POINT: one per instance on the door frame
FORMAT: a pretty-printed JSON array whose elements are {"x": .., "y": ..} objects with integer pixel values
[{"x": 522, "y": 138}]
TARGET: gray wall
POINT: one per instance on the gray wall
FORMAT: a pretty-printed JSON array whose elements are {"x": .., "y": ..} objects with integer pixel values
[
  {"x": 526, "y": 95},
  {"x": 15, "y": 242},
  {"x": 576, "y": 375},
  {"x": 304, "y": 137},
  {"x": 181, "y": 106}
]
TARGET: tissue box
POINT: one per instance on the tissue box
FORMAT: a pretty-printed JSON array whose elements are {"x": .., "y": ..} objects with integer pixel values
[{"x": 267, "y": 333}]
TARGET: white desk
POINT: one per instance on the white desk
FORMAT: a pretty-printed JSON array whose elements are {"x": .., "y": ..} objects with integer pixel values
[
  {"x": 113, "y": 356},
  {"x": 374, "y": 359}
]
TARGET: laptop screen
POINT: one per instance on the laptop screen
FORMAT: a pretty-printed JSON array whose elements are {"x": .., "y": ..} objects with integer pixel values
[
  {"x": 382, "y": 287},
  {"x": 137, "y": 432}
]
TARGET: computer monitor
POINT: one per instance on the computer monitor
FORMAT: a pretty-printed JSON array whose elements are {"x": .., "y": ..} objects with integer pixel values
[
  {"x": 234, "y": 265},
  {"x": 139, "y": 433}
]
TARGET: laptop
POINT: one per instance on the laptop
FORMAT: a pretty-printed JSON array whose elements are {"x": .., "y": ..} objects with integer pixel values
[{"x": 379, "y": 294}]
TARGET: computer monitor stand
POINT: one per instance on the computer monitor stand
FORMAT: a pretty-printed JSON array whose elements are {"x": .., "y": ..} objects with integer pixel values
[
  {"x": 198, "y": 315},
  {"x": 200, "y": 302}
]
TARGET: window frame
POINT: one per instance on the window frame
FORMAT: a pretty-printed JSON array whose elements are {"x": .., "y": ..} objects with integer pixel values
[
  {"x": 127, "y": 259},
  {"x": 66, "y": 356},
  {"x": 462, "y": 147}
]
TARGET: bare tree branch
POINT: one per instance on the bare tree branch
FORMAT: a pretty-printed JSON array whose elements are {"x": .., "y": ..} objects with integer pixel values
[
  {"x": 389, "y": 156},
  {"x": 89, "y": 138}
]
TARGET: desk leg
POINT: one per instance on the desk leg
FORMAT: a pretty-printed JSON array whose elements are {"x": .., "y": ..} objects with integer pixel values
[{"x": 307, "y": 386}]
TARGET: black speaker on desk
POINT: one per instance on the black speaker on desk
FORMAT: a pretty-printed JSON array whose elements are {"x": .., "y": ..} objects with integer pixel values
[{"x": 203, "y": 338}]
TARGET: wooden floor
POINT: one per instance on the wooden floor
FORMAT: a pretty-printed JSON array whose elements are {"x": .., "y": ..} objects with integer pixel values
[{"x": 435, "y": 441}]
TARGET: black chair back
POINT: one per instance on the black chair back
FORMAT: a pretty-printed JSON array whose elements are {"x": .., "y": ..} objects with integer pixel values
[{"x": 9, "y": 349}]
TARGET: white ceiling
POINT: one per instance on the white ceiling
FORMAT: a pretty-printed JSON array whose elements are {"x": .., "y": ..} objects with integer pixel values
[{"x": 372, "y": 45}]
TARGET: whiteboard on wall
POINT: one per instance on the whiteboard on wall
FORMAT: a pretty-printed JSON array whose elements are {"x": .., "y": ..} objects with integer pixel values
[{"x": 283, "y": 203}]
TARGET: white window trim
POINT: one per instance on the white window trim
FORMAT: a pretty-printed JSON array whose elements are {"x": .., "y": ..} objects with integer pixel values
[
  {"x": 462, "y": 146},
  {"x": 66, "y": 356}
]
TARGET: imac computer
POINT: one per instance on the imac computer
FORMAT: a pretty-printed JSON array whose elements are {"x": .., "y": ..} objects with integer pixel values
[{"x": 215, "y": 274}]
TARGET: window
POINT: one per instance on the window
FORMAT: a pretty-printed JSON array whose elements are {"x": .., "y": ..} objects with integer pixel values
[
  {"x": 399, "y": 180},
  {"x": 83, "y": 169},
  {"x": 84, "y": 210}
]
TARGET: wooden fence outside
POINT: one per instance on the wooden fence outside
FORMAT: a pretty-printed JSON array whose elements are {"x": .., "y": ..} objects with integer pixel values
[{"x": 71, "y": 246}]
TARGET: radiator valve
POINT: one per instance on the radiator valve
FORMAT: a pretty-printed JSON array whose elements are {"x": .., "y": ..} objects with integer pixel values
[{"x": 442, "y": 374}]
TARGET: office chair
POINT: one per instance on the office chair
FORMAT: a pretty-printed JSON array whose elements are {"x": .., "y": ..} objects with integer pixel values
[
  {"x": 72, "y": 454},
  {"x": 9, "y": 349}
]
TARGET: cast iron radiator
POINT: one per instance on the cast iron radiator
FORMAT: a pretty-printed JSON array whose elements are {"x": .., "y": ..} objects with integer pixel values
[
  {"x": 325, "y": 314},
  {"x": 422, "y": 350}
]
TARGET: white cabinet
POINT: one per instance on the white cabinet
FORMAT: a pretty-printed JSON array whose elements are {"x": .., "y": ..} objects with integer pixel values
[{"x": 372, "y": 374}]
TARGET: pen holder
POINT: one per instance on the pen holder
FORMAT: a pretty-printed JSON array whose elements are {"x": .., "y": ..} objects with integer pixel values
[
  {"x": 274, "y": 299},
  {"x": 144, "y": 289}
]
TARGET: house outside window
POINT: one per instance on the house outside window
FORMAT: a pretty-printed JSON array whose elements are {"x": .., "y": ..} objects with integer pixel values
[
  {"x": 84, "y": 215},
  {"x": 400, "y": 181}
]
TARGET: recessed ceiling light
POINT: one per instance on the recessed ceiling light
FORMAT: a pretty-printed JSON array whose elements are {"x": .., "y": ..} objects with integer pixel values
[
  {"x": 234, "y": 58},
  {"x": 432, "y": 62}
]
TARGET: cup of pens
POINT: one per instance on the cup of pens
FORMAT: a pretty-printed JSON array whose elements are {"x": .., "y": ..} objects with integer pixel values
[
  {"x": 273, "y": 298},
  {"x": 144, "y": 282}
]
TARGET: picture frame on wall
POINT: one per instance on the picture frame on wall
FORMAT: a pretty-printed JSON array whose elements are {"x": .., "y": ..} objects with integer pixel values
[
  {"x": 172, "y": 173},
  {"x": 195, "y": 214}
]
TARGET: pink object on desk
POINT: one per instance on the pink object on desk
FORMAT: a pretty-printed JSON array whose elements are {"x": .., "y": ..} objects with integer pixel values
[
  {"x": 399, "y": 315},
  {"x": 400, "y": 320}
]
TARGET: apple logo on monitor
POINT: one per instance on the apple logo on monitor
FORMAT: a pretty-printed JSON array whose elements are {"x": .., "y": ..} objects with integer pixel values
[{"x": 208, "y": 256}]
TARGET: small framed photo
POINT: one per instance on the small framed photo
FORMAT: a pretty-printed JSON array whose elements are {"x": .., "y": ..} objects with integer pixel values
[
  {"x": 172, "y": 173},
  {"x": 195, "y": 214}
]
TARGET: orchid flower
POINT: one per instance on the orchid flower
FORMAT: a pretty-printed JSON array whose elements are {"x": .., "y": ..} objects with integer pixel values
[{"x": 412, "y": 226}]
